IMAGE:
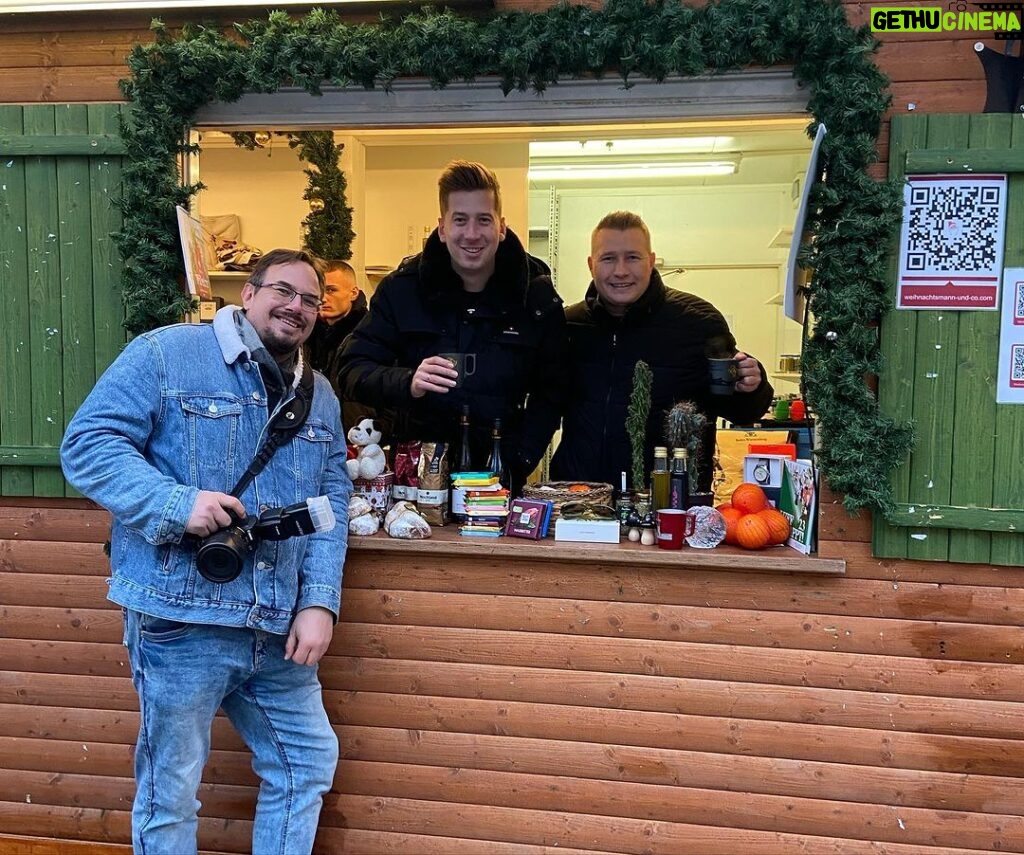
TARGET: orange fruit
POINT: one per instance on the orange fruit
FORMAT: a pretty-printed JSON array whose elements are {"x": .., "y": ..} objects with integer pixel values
[
  {"x": 778, "y": 525},
  {"x": 731, "y": 516},
  {"x": 749, "y": 498},
  {"x": 723, "y": 506},
  {"x": 579, "y": 488},
  {"x": 752, "y": 532}
]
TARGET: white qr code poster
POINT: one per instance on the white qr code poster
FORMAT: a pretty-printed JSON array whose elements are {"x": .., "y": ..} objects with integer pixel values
[
  {"x": 951, "y": 242},
  {"x": 1010, "y": 381}
]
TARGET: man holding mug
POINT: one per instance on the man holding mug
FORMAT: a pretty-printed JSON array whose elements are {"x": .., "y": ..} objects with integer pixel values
[
  {"x": 475, "y": 291},
  {"x": 628, "y": 314}
]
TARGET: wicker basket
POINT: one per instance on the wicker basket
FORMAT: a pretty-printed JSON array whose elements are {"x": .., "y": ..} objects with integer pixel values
[{"x": 558, "y": 493}]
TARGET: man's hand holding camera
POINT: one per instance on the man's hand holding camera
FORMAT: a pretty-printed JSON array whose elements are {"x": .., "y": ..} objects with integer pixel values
[{"x": 210, "y": 513}]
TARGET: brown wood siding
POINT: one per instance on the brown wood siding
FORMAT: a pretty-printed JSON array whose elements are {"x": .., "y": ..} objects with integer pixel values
[
  {"x": 67, "y": 58},
  {"x": 514, "y": 703}
]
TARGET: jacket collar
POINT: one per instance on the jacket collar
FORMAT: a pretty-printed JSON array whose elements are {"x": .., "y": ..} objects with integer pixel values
[
  {"x": 231, "y": 344},
  {"x": 507, "y": 287},
  {"x": 232, "y": 330},
  {"x": 650, "y": 302}
]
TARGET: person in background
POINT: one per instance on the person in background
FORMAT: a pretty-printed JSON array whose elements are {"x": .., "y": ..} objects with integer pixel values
[
  {"x": 344, "y": 307},
  {"x": 628, "y": 314},
  {"x": 475, "y": 290},
  {"x": 159, "y": 441}
]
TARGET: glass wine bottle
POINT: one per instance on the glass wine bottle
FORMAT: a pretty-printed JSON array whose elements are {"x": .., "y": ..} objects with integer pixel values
[
  {"x": 464, "y": 462},
  {"x": 679, "y": 480},
  {"x": 495, "y": 462}
]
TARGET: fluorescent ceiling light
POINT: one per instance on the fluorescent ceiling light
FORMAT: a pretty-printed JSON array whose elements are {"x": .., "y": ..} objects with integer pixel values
[
  {"x": 618, "y": 148},
  {"x": 11, "y": 6},
  {"x": 631, "y": 170}
]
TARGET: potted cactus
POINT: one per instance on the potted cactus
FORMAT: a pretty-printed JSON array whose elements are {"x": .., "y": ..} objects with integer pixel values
[{"x": 684, "y": 428}]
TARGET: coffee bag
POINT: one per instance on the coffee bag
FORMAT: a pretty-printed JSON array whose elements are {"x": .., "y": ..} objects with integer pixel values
[{"x": 432, "y": 493}]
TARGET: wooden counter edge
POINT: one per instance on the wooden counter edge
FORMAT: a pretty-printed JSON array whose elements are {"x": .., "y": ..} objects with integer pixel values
[{"x": 447, "y": 542}]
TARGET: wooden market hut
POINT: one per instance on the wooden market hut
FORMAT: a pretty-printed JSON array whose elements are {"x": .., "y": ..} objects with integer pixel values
[{"x": 557, "y": 698}]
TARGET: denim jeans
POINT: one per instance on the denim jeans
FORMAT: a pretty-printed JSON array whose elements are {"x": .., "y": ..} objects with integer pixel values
[{"x": 183, "y": 673}]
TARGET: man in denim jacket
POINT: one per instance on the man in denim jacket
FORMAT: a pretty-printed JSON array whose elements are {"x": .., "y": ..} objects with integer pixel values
[{"x": 165, "y": 434}]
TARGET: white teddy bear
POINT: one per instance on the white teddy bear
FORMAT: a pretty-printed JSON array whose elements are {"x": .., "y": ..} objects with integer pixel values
[{"x": 365, "y": 456}]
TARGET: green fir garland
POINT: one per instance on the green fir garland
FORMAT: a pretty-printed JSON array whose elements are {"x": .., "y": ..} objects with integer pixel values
[
  {"x": 854, "y": 218},
  {"x": 328, "y": 227}
]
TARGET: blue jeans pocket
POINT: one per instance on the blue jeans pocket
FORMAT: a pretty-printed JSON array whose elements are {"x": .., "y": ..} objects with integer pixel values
[{"x": 161, "y": 629}]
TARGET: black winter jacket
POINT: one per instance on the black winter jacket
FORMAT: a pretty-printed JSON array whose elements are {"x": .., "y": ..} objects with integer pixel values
[
  {"x": 323, "y": 351},
  {"x": 670, "y": 331},
  {"x": 516, "y": 328}
]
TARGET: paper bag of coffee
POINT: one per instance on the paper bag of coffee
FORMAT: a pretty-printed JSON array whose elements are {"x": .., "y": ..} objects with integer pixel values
[
  {"x": 432, "y": 492},
  {"x": 407, "y": 462}
]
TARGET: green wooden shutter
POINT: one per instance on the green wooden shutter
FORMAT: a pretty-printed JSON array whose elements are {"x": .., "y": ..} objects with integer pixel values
[
  {"x": 60, "y": 307},
  {"x": 960, "y": 496}
]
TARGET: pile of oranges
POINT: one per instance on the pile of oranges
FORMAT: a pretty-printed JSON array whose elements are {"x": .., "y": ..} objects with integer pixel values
[{"x": 750, "y": 521}]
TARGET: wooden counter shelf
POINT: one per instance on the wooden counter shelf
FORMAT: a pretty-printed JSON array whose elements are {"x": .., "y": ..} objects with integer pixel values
[{"x": 446, "y": 541}]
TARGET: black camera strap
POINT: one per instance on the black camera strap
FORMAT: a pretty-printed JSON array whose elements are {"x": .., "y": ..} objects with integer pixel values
[{"x": 286, "y": 422}]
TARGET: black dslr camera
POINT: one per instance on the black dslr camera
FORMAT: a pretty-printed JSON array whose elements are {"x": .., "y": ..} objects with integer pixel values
[{"x": 221, "y": 555}]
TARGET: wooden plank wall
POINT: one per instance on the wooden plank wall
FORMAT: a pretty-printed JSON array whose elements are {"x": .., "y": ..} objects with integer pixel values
[
  {"x": 80, "y": 58},
  {"x": 529, "y": 706}
]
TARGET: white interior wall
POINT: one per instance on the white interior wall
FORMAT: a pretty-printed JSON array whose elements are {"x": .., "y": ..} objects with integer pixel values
[
  {"x": 695, "y": 226},
  {"x": 264, "y": 187}
]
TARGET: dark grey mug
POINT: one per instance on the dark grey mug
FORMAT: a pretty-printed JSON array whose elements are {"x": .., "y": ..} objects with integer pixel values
[
  {"x": 464, "y": 363},
  {"x": 723, "y": 375}
]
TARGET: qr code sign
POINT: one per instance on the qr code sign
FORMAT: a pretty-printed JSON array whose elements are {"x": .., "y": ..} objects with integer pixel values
[
  {"x": 954, "y": 226},
  {"x": 1017, "y": 366}
]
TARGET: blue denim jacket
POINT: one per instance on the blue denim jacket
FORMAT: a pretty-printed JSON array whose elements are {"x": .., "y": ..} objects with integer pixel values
[{"x": 182, "y": 409}]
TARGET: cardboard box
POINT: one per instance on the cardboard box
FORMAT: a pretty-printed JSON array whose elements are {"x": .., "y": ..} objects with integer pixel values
[
  {"x": 765, "y": 470},
  {"x": 529, "y": 518},
  {"x": 786, "y": 449},
  {"x": 587, "y": 531}
]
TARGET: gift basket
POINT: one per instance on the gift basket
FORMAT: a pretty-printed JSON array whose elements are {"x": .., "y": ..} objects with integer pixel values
[{"x": 561, "y": 492}]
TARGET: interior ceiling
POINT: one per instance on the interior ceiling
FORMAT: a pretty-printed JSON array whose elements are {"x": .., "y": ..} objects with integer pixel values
[{"x": 768, "y": 150}]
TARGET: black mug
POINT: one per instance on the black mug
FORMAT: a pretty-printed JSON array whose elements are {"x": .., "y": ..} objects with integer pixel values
[
  {"x": 464, "y": 363},
  {"x": 723, "y": 375}
]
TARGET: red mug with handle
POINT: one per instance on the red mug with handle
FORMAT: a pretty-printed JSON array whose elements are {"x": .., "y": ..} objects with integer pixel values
[{"x": 674, "y": 526}]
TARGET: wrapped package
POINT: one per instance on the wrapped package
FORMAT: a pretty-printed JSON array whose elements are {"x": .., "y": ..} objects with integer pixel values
[
  {"x": 362, "y": 518},
  {"x": 403, "y": 521}
]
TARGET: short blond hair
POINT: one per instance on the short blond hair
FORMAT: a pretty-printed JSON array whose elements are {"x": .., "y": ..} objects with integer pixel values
[
  {"x": 464, "y": 175},
  {"x": 622, "y": 221}
]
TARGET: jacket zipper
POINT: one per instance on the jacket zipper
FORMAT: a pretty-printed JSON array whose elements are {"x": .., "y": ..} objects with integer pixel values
[{"x": 608, "y": 398}]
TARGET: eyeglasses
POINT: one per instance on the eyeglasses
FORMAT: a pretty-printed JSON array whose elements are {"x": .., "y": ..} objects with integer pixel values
[
  {"x": 587, "y": 511},
  {"x": 284, "y": 294}
]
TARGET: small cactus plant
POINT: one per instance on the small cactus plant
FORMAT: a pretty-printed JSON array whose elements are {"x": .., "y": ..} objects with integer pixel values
[{"x": 684, "y": 428}]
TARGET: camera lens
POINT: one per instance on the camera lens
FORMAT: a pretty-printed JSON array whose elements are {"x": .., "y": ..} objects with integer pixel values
[{"x": 221, "y": 555}]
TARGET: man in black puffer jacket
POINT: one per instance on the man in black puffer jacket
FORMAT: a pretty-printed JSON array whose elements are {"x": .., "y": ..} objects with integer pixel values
[
  {"x": 344, "y": 307},
  {"x": 472, "y": 290},
  {"x": 629, "y": 314}
]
